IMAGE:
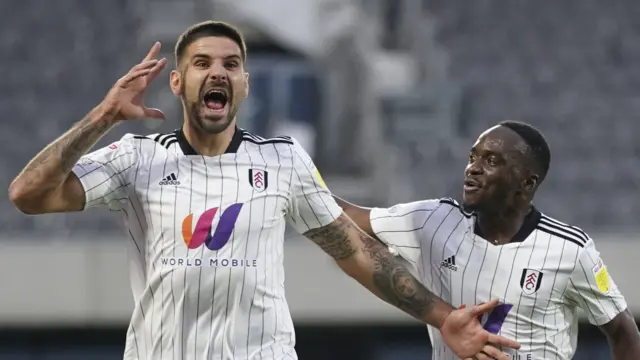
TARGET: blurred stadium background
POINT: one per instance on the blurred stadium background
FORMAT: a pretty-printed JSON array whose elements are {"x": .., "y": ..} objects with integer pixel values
[{"x": 387, "y": 95}]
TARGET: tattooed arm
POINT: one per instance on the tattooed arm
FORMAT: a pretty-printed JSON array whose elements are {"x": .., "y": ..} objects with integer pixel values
[
  {"x": 313, "y": 212},
  {"x": 361, "y": 216},
  {"x": 370, "y": 263},
  {"x": 47, "y": 184},
  {"x": 623, "y": 337}
]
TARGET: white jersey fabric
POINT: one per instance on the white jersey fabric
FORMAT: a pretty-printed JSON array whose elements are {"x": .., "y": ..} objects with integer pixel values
[
  {"x": 549, "y": 271},
  {"x": 206, "y": 240}
]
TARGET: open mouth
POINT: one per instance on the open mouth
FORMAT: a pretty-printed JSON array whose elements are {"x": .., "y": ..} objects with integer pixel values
[
  {"x": 471, "y": 185},
  {"x": 216, "y": 99}
]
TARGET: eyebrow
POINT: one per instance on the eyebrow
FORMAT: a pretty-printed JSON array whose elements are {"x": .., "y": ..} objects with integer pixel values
[
  {"x": 233, "y": 57},
  {"x": 487, "y": 152},
  {"x": 207, "y": 56}
]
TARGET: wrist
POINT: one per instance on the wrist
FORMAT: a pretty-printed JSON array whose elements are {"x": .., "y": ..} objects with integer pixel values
[
  {"x": 103, "y": 115},
  {"x": 439, "y": 314}
]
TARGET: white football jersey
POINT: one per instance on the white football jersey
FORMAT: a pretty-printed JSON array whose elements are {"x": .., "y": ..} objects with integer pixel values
[
  {"x": 206, "y": 240},
  {"x": 542, "y": 277}
]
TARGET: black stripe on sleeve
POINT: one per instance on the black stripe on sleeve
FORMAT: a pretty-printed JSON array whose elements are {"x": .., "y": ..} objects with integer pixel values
[
  {"x": 562, "y": 235},
  {"x": 451, "y": 202},
  {"x": 567, "y": 231}
]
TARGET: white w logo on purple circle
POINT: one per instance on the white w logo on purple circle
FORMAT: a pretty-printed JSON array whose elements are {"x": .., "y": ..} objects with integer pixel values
[
  {"x": 202, "y": 232},
  {"x": 496, "y": 318}
]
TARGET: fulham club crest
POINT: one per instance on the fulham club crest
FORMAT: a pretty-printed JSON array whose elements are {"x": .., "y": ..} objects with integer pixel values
[
  {"x": 259, "y": 179},
  {"x": 530, "y": 281}
]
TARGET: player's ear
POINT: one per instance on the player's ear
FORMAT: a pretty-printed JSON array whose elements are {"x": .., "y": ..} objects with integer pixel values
[
  {"x": 175, "y": 80},
  {"x": 531, "y": 183},
  {"x": 246, "y": 84}
]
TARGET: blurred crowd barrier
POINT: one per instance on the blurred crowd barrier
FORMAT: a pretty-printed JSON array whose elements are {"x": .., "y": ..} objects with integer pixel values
[{"x": 85, "y": 281}]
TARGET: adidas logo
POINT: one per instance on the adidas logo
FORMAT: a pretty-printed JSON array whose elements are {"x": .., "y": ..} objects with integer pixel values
[
  {"x": 170, "y": 180},
  {"x": 450, "y": 263}
]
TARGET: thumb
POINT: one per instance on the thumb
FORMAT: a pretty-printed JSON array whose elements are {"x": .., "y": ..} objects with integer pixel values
[
  {"x": 483, "y": 308},
  {"x": 153, "y": 113}
]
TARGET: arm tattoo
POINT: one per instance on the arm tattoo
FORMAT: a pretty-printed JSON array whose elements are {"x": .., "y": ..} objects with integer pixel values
[
  {"x": 51, "y": 166},
  {"x": 390, "y": 278},
  {"x": 334, "y": 238}
]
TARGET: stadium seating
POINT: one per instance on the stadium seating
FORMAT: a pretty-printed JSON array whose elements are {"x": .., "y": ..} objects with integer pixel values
[{"x": 571, "y": 70}]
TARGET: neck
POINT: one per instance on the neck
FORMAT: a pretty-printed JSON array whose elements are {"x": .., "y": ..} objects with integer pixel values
[
  {"x": 209, "y": 144},
  {"x": 501, "y": 227}
]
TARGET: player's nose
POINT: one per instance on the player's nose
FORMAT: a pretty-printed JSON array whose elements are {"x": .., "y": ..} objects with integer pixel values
[
  {"x": 473, "y": 168},
  {"x": 218, "y": 73}
]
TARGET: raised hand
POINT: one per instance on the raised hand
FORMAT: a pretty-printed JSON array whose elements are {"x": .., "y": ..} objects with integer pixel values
[
  {"x": 125, "y": 99},
  {"x": 464, "y": 334}
]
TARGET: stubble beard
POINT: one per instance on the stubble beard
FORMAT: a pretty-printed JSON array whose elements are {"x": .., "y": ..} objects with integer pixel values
[
  {"x": 199, "y": 123},
  {"x": 196, "y": 119}
]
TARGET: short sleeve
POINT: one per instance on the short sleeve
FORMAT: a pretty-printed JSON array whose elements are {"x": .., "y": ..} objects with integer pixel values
[
  {"x": 592, "y": 288},
  {"x": 105, "y": 174},
  {"x": 311, "y": 205},
  {"x": 400, "y": 226}
]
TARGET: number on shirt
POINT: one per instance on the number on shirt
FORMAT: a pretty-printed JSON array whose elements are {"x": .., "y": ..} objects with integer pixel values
[{"x": 496, "y": 318}]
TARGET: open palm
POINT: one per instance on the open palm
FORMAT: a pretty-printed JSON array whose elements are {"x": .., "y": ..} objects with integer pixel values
[
  {"x": 125, "y": 100},
  {"x": 464, "y": 334}
]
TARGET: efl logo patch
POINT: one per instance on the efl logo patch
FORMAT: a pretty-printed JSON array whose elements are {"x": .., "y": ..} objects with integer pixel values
[
  {"x": 602, "y": 277},
  {"x": 530, "y": 281},
  {"x": 319, "y": 179},
  {"x": 259, "y": 179}
]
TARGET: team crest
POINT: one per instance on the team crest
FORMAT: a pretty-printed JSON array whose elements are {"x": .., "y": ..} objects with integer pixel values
[
  {"x": 530, "y": 281},
  {"x": 259, "y": 179}
]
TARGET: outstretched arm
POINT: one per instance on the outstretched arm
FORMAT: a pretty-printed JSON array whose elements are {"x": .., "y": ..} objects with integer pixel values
[
  {"x": 371, "y": 264},
  {"x": 360, "y": 215},
  {"x": 313, "y": 212},
  {"x": 623, "y": 337},
  {"x": 47, "y": 184}
]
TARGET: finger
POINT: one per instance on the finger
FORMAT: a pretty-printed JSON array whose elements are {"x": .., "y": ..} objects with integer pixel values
[
  {"x": 133, "y": 75},
  {"x": 483, "y": 308},
  {"x": 148, "y": 64},
  {"x": 482, "y": 356},
  {"x": 153, "y": 52},
  {"x": 157, "y": 69},
  {"x": 494, "y": 353},
  {"x": 503, "y": 341},
  {"x": 153, "y": 113}
]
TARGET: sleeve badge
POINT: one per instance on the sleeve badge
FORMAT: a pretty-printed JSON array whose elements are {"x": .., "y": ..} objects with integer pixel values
[{"x": 601, "y": 277}]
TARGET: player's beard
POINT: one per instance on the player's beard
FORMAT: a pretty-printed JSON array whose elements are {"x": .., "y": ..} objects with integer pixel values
[{"x": 199, "y": 122}]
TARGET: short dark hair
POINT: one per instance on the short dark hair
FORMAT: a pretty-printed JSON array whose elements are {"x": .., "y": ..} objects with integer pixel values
[
  {"x": 538, "y": 151},
  {"x": 206, "y": 29}
]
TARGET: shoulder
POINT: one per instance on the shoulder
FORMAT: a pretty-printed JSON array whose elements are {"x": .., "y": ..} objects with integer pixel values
[
  {"x": 277, "y": 148},
  {"x": 152, "y": 140},
  {"x": 421, "y": 207},
  {"x": 563, "y": 232},
  {"x": 258, "y": 140},
  {"x": 450, "y": 204}
]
